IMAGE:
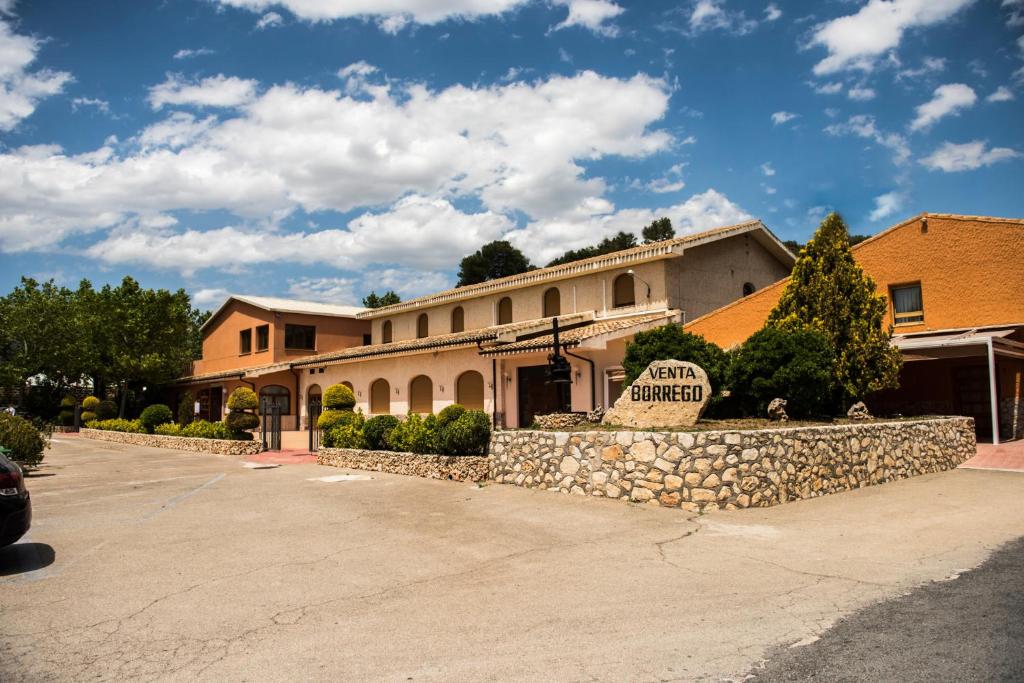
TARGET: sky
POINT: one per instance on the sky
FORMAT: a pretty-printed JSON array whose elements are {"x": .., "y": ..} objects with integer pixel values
[{"x": 321, "y": 149}]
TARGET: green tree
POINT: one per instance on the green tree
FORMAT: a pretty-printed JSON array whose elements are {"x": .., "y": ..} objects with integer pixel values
[
  {"x": 830, "y": 293},
  {"x": 491, "y": 261},
  {"x": 388, "y": 298},
  {"x": 617, "y": 242},
  {"x": 658, "y": 230},
  {"x": 670, "y": 342}
]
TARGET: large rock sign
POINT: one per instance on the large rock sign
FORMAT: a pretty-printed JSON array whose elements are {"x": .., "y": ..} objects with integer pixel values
[{"x": 669, "y": 393}]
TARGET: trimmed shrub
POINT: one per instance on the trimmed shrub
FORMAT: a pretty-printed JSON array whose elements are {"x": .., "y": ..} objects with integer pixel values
[
  {"x": 87, "y": 416},
  {"x": 168, "y": 429},
  {"x": 449, "y": 414},
  {"x": 67, "y": 410},
  {"x": 348, "y": 434},
  {"x": 377, "y": 429},
  {"x": 90, "y": 403},
  {"x": 238, "y": 421},
  {"x": 243, "y": 398},
  {"x": 201, "y": 429},
  {"x": 329, "y": 419},
  {"x": 469, "y": 434},
  {"x": 68, "y": 402},
  {"x": 186, "y": 409},
  {"x": 106, "y": 410},
  {"x": 156, "y": 414},
  {"x": 24, "y": 441},
  {"x": 118, "y": 424},
  {"x": 339, "y": 397},
  {"x": 794, "y": 364},
  {"x": 414, "y": 435}
]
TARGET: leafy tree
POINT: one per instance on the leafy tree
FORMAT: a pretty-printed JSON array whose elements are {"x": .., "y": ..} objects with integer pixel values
[
  {"x": 658, "y": 230},
  {"x": 830, "y": 293},
  {"x": 670, "y": 342},
  {"x": 793, "y": 246},
  {"x": 617, "y": 242},
  {"x": 491, "y": 261},
  {"x": 388, "y": 298}
]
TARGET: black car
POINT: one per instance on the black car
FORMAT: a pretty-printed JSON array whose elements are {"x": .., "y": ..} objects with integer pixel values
[{"x": 15, "y": 503}]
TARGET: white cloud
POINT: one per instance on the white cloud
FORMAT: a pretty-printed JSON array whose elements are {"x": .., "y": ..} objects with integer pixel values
[
  {"x": 860, "y": 94},
  {"x": 82, "y": 102},
  {"x": 186, "y": 53},
  {"x": 20, "y": 88},
  {"x": 780, "y": 117},
  {"x": 857, "y": 40},
  {"x": 176, "y": 131},
  {"x": 828, "y": 88},
  {"x": 593, "y": 15},
  {"x": 886, "y": 205},
  {"x": 929, "y": 65},
  {"x": 767, "y": 169},
  {"x": 335, "y": 290},
  {"x": 1001, "y": 94},
  {"x": 209, "y": 297},
  {"x": 215, "y": 91},
  {"x": 863, "y": 125},
  {"x": 948, "y": 100},
  {"x": 968, "y": 156},
  {"x": 768, "y": 189},
  {"x": 269, "y": 20},
  {"x": 710, "y": 15},
  {"x": 390, "y": 15},
  {"x": 772, "y": 12}
]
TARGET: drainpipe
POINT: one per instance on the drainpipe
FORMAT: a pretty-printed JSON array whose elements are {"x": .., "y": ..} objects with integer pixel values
[
  {"x": 993, "y": 392},
  {"x": 593, "y": 385}
]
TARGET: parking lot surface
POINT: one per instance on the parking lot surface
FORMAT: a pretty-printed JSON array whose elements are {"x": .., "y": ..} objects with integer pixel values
[{"x": 162, "y": 565}]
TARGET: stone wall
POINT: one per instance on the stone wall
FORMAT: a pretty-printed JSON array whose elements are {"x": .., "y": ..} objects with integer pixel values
[
  {"x": 699, "y": 471},
  {"x": 1011, "y": 418},
  {"x": 454, "y": 467},
  {"x": 181, "y": 443}
]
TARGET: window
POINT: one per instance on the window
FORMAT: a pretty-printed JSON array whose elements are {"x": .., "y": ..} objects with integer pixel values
[
  {"x": 907, "y": 305},
  {"x": 263, "y": 337},
  {"x": 615, "y": 380},
  {"x": 622, "y": 291},
  {"x": 458, "y": 319},
  {"x": 748, "y": 288},
  {"x": 469, "y": 390},
  {"x": 380, "y": 397},
  {"x": 275, "y": 394},
  {"x": 422, "y": 326},
  {"x": 245, "y": 341},
  {"x": 421, "y": 395},
  {"x": 300, "y": 337},
  {"x": 552, "y": 303},
  {"x": 505, "y": 311},
  {"x": 348, "y": 384},
  {"x": 385, "y": 332},
  {"x": 367, "y": 339}
]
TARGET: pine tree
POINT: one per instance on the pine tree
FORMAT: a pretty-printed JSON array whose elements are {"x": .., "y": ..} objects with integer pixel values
[
  {"x": 830, "y": 293},
  {"x": 658, "y": 230},
  {"x": 388, "y": 298}
]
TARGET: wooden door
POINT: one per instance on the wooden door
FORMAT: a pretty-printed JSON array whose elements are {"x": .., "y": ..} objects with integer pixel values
[{"x": 537, "y": 397}]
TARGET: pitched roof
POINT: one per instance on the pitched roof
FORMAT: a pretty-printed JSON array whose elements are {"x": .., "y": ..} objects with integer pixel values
[
  {"x": 638, "y": 254},
  {"x": 575, "y": 336},
  {"x": 278, "y": 305}
]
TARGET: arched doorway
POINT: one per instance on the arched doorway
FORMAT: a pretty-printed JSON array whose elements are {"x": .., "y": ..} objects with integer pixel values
[
  {"x": 469, "y": 390},
  {"x": 623, "y": 291},
  {"x": 275, "y": 394},
  {"x": 421, "y": 395},
  {"x": 314, "y": 404},
  {"x": 422, "y": 326},
  {"x": 505, "y": 311},
  {"x": 380, "y": 397},
  {"x": 458, "y": 319}
]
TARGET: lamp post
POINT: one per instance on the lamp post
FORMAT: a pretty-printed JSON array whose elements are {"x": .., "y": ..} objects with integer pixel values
[{"x": 633, "y": 275}]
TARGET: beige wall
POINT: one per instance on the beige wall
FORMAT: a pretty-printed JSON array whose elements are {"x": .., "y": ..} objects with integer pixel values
[{"x": 285, "y": 378}]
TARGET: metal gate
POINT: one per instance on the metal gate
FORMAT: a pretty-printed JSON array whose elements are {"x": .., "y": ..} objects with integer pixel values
[
  {"x": 314, "y": 408},
  {"x": 270, "y": 427}
]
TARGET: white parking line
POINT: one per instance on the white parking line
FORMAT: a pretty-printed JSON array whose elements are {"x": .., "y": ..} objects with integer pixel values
[{"x": 342, "y": 477}]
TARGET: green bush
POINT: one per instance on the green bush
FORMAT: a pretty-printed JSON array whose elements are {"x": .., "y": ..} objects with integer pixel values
[
  {"x": 329, "y": 419},
  {"x": 118, "y": 425},
  {"x": 243, "y": 398},
  {"x": 469, "y": 434},
  {"x": 90, "y": 403},
  {"x": 156, "y": 414},
  {"x": 201, "y": 429},
  {"x": 24, "y": 441},
  {"x": 414, "y": 435},
  {"x": 168, "y": 429},
  {"x": 87, "y": 416},
  {"x": 377, "y": 429},
  {"x": 339, "y": 397},
  {"x": 449, "y": 414},
  {"x": 186, "y": 409},
  {"x": 68, "y": 401},
  {"x": 106, "y": 410},
  {"x": 239, "y": 421},
  {"x": 66, "y": 418},
  {"x": 794, "y": 364},
  {"x": 347, "y": 435},
  {"x": 671, "y": 342}
]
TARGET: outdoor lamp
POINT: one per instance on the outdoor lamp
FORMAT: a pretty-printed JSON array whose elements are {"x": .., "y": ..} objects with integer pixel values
[{"x": 637, "y": 277}]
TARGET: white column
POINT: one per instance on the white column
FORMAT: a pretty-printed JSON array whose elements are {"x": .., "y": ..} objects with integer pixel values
[{"x": 993, "y": 392}]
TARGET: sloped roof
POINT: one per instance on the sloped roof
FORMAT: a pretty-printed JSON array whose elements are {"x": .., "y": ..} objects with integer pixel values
[
  {"x": 574, "y": 337},
  {"x": 278, "y": 305}
]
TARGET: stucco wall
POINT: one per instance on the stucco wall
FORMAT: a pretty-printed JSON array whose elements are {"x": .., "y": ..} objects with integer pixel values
[
  {"x": 700, "y": 471},
  {"x": 181, "y": 443},
  {"x": 455, "y": 468}
]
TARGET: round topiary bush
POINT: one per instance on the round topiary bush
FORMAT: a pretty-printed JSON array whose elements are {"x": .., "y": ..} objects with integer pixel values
[
  {"x": 67, "y": 410},
  {"x": 90, "y": 403},
  {"x": 243, "y": 398},
  {"x": 469, "y": 434},
  {"x": 156, "y": 414},
  {"x": 68, "y": 401},
  {"x": 339, "y": 397},
  {"x": 23, "y": 440},
  {"x": 449, "y": 414},
  {"x": 240, "y": 421},
  {"x": 106, "y": 410},
  {"x": 186, "y": 409},
  {"x": 377, "y": 429},
  {"x": 329, "y": 419},
  {"x": 86, "y": 416}
]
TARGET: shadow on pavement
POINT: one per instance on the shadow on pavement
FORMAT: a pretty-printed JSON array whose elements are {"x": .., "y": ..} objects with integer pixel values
[{"x": 22, "y": 558}]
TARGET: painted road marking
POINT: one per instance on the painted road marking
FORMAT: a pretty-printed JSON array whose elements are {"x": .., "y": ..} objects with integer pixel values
[
  {"x": 342, "y": 477},
  {"x": 260, "y": 465}
]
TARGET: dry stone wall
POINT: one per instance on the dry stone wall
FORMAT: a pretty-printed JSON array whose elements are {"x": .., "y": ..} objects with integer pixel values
[
  {"x": 700, "y": 471},
  {"x": 454, "y": 467},
  {"x": 181, "y": 443}
]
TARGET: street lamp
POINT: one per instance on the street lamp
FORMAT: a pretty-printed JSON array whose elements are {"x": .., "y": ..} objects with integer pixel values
[{"x": 632, "y": 274}]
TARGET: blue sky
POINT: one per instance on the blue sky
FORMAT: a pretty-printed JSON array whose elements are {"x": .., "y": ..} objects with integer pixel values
[{"x": 323, "y": 148}]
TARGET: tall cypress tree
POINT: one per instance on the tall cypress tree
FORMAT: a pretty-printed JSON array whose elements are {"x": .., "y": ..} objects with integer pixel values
[{"x": 829, "y": 292}]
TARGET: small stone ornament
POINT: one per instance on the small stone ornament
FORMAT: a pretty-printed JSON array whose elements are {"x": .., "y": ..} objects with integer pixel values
[
  {"x": 777, "y": 410},
  {"x": 858, "y": 411},
  {"x": 669, "y": 393}
]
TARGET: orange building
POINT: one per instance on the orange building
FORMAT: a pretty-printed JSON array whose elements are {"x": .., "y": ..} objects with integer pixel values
[{"x": 955, "y": 289}]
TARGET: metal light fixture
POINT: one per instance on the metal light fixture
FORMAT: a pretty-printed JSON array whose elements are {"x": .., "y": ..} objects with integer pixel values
[
  {"x": 559, "y": 370},
  {"x": 633, "y": 275}
]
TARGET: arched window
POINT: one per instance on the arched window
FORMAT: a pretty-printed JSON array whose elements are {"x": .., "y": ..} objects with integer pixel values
[
  {"x": 623, "y": 291},
  {"x": 505, "y": 311},
  {"x": 469, "y": 390},
  {"x": 275, "y": 394},
  {"x": 380, "y": 397},
  {"x": 421, "y": 395},
  {"x": 552, "y": 302},
  {"x": 314, "y": 402},
  {"x": 349, "y": 385},
  {"x": 458, "y": 319},
  {"x": 422, "y": 326},
  {"x": 385, "y": 332},
  {"x": 748, "y": 288}
]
